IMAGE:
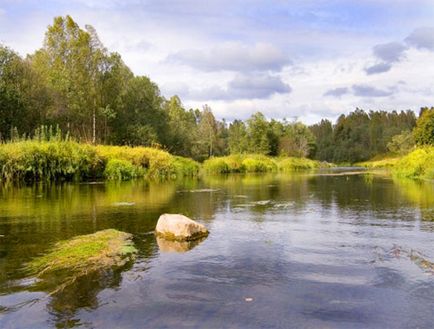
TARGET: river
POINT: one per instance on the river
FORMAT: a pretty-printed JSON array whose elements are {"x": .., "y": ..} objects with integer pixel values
[{"x": 312, "y": 250}]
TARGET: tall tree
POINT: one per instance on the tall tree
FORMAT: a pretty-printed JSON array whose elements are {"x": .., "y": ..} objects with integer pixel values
[{"x": 424, "y": 131}]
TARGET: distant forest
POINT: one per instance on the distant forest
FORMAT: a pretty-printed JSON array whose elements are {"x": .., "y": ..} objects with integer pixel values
[{"x": 73, "y": 82}]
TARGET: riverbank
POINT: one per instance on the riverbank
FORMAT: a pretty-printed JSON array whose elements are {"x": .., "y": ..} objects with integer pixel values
[
  {"x": 32, "y": 160},
  {"x": 254, "y": 163},
  {"x": 71, "y": 161},
  {"x": 418, "y": 164}
]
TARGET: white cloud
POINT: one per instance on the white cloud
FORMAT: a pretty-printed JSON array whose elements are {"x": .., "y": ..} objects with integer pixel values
[{"x": 233, "y": 57}]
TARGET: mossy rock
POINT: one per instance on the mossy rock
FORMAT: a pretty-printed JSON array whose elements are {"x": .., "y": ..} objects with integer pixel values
[{"x": 86, "y": 253}]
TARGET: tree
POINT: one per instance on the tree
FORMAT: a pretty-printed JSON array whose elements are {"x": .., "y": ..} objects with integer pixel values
[
  {"x": 323, "y": 133},
  {"x": 297, "y": 140},
  {"x": 207, "y": 129},
  {"x": 24, "y": 99},
  {"x": 237, "y": 137},
  {"x": 424, "y": 131},
  {"x": 402, "y": 143},
  {"x": 257, "y": 131}
]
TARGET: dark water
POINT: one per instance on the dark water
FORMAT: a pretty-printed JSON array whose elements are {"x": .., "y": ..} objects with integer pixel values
[{"x": 302, "y": 251}]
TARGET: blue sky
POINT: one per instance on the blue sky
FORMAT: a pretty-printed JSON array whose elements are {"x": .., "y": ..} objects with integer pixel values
[{"x": 294, "y": 59}]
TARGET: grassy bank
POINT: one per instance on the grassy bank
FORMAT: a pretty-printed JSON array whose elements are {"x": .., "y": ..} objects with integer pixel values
[
  {"x": 382, "y": 163},
  {"x": 416, "y": 164},
  {"x": 247, "y": 163},
  {"x": 68, "y": 160}
]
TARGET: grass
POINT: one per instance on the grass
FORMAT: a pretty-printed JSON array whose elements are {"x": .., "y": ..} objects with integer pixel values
[
  {"x": 242, "y": 163},
  {"x": 84, "y": 254},
  {"x": 418, "y": 164},
  {"x": 61, "y": 160},
  {"x": 385, "y": 163}
]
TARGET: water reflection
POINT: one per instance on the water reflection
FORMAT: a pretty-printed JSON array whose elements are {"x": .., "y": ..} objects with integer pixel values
[
  {"x": 177, "y": 246},
  {"x": 309, "y": 250}
]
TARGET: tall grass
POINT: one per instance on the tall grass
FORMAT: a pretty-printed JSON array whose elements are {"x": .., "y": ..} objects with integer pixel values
[
  {"x": 257, "y": 163},
  {"x": 417, "y": 164},
  {"x": 65, "y": 160}
]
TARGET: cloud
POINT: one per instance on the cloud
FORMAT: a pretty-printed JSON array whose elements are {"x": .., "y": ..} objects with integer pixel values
[
  {"x": 422, "y": 38},
  {"x": 233, "y": 57},
  {"x": 369, "y": 91},
  {"x": 337, "y": 92},
  {"x": 378, "y": 68},
  {"x": 389, "y": 52},
  {"x": 244, "y": 86}
]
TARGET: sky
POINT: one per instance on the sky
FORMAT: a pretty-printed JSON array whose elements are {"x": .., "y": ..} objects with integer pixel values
[{"x": 294, "y": 59}]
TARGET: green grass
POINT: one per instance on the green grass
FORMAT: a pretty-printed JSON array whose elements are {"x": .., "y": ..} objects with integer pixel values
[
  {"x": 294, "y": 164},
  {"x": 68, "y": 160},
  {"x": 82, "y": 255},
  {"x": 385, "y": 163},
  {"x": 257, "y": 163},
  {"x": 416, "y": 164}
]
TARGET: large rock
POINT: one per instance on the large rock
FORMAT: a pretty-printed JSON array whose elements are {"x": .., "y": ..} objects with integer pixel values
[{"x": 179, "y": 228}]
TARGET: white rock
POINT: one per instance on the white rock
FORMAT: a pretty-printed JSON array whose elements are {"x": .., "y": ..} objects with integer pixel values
[{"x": 179, "y": 227}]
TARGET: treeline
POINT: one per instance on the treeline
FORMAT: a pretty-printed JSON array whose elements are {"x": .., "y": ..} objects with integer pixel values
[
  {"x": 360, "y": 135},
  {"x": 73, "y": 82}
]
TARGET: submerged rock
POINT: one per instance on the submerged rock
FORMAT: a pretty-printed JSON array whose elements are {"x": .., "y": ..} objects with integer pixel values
[{"x": 179, "y": 228}]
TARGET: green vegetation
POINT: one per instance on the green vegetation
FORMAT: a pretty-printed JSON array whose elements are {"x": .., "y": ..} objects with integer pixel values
[
  {"x": 360, "y": 136},
  {"x": 424, "y": 131},
  {"x": 58, "y": 160},
  {"x": 85, "y": 254},
  {"x": 382, "y": 163},
  {"x": 76, "y": 84},
  {"x": 242, "y": 163},
  {"x": 417, "y": 164}
]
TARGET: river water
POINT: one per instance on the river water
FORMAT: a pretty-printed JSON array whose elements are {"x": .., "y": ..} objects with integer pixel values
[{"x": 284, "y": 251}]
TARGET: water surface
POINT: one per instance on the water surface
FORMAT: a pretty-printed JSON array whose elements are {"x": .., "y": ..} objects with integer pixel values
[{"x": 292, "y": 251}]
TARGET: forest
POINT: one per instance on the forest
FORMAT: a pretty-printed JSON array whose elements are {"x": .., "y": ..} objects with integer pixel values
[{"x": 75, "y": 84}]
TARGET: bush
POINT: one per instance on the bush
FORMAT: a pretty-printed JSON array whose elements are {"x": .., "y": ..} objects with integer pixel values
[
  {"x": 117, "y": 169},
  {"x": 216, "y": 166},
  {"x": 294, "y": 164},
  {"x": 56, "y": 160},
  {"x": 417, "y": 164},
  {"x": 259, "y": 164}
]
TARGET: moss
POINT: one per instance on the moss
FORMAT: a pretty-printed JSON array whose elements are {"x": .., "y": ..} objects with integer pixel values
[{"x": 86, "y": 253}]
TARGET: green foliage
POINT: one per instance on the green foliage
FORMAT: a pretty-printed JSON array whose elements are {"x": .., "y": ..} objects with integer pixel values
[
  {"x": 56, "y": 160},
  {"x": 401, "y": 144},
  {"x": 359, "y": 135},
  {"x": 296, "y": 164},
  {"x": 424, "y": 131},
  {"x": 417, "y": 164},
  {"x": 385, "y": 163},
  {"x": 82, "y": 255},
  {"x": 185, "y": 167},
  {"x": 117, "y": 169},
  {"x": 218, "y": 166},
  {"x": 257, "y": 163}
]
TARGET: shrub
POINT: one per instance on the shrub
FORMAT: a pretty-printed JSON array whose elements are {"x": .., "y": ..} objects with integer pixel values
[
  {"x": 117, "y": 169},
  {"x": 259, "y": 164},
  {"x": 216, "y": 166},
  {"x": 294, "y": 164},
  {"x": 417, "y": 164}
]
